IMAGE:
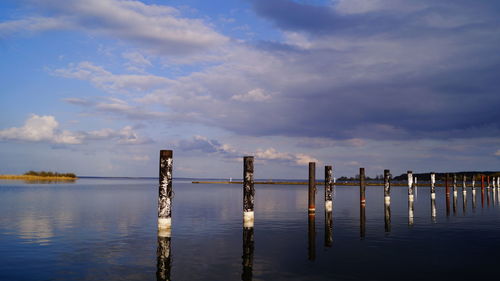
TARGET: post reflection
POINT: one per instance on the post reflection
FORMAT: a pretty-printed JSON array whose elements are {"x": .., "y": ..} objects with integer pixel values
[
  {"x": 473, "y": 199},
  {"x": 433, "y": 209},
  {"x": 163, "y": 256},
  {"x": 328, "y": 228},
  {"x": 455, "y": 199},
  {"x": 387, "y": 216},
  {"x": 311, "y": 249},
  {"x": 362, "y": 221},
  {"x": 464, "y": 201},
  {"x": 447, "y": 204},
  {"x": 411, "y": 210},
  {"x": 248, "y": 247}
]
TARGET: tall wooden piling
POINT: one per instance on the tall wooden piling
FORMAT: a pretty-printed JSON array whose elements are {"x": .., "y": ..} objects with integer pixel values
[
  {"x": 454, "y": 183},
  {"x": 488, "y": 177},
  {"x": 410, "y": 185},
  {"x": 328, "y": 188},
  {"x": 165, "y": 193},
  {"x": 464, "y": 183},
  {"x": 362, "y": 186},
  {"x": 387, "y": 186},
  {"x": 248, "y": 249},
  {"x": 312, "y": 187},
  {"x": 248, "y": 191}
]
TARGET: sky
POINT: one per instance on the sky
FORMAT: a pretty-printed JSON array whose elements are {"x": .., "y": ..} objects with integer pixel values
[{"x": 99, "y": 87}]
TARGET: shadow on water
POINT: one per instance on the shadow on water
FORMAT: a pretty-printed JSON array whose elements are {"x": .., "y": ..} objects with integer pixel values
[{"x": 311, "y": 234}]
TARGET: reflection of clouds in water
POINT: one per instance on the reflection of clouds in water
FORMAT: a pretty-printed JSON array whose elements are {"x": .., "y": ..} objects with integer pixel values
[{"x": 36, "y": 230}]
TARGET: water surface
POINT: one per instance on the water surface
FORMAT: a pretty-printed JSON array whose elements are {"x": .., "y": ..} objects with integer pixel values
[{"x": 105, "y": 229}]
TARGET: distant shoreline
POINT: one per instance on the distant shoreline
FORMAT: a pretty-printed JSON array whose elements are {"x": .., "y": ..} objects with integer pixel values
[{"x": 36, "y": 178}]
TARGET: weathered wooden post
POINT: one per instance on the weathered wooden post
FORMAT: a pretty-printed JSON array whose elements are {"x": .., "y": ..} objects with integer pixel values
[
  {"x": 311, "y": 234},
  {"x": 163, "y": 259},
  {"x": 387, "y": 187},
  {"x": 362, "y": 186},
  {"x": 165, "y": 194},
  {"x": 433, "y": 196},
  {"x": 328, "y": 228},
  {"x": 455, "y": 198},
  {"x": 248, "y": 249},
  {"x": 362, "y": 201},
  {"x": 464, "y": 192},
  {"x": 488, "y": 177},
  {"x": 248, "y": 192},
  {"x": 328, "y": 188},
  {"x": 312, "y": 187},
  {"x": 455, "y": 185},
  {"x": 410, "y": 185}
]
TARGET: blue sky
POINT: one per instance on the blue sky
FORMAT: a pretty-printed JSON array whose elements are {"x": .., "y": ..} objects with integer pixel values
[{"x": 98, "y": 87}]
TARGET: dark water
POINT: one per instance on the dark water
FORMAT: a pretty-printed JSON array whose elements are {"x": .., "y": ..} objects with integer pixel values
[{"x": 105, "y": 229}]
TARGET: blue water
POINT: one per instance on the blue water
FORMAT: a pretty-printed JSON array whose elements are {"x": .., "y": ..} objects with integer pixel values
[{"x": 105, "y": 229}]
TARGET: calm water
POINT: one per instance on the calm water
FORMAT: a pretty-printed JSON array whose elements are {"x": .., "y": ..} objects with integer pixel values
[{"x": 105, "y": 229}]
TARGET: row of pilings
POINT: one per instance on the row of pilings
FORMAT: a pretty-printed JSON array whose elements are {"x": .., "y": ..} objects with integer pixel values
[{"x": 165, "y": 196}]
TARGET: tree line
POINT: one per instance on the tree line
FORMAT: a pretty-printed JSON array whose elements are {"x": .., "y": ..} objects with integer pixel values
[{"x": 49, "y": 174}]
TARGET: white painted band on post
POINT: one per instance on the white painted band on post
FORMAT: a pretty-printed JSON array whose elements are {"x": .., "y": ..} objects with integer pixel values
[
  {"x": 410, "y": 197},
  {"x": 248, "y": 219},
  {"x": 165, "y": 232},
  {"x": 312, "y": 209},
  {"x": 387, "y": 200},
  {"x": 455, "y": 193},
  {"x": 433, "y": 195},
  {"x": 164, "y": 223},
  {"x": 328, "y": 206}
]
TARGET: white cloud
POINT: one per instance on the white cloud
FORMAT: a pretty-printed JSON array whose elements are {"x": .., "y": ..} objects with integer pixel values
[
  {"x": 158, "y": 28},
  {"x": 45, "y": 129},
  {"x": 136, "y": 61},
  {"x": 40, "y": 128},
  {"x": 299, "y": 159},
  {"x": 114, "y": 83},
  {"x": 252, "y": 95}
]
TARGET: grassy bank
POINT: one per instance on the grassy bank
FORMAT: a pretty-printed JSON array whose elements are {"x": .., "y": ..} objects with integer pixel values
[{"x": 37, "y": 178}]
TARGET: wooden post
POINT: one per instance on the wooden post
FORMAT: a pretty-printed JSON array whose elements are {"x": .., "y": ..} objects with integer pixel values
[
  {"x": 248, "y": 249},
  {"x": 311, "y": 234},
  {"x": 464, "y": 183},
  {"x": 248, "y": 191},
  {"x": 163, "y": 259},
  {"x": 446, "y": 184},
  {"x": 328, "y": 188},
  {"x": 433, "y": 197},
  {"x": 362, "y": 186},
  {"x": 473, "y": 182},
  {"x": 312, "y": 187},
  {"x": 433, "y": 185},
  {"x": 488, "y": 177},
  {"x": 410, "y": 185},
  {"x": 454, "y": 184},
  {"x": 165, "y": 193},
  {"x": 387, "y": 186}
]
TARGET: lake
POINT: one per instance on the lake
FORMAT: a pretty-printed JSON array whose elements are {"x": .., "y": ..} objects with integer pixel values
[{"x": 106, "y": 229}]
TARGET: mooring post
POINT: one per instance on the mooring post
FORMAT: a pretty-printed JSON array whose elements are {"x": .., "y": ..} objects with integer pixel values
[
  {"x": 387, "y": 186},
  {"x": 312, "y": 187},
  {"x": 248, "y": 249},
  {"x": 328, "y": 188},
  {"x": 488, "y": 177},
  {"x": 454, "y": 184},
  {"x": 248, "y": 192},
  {"x": 165, "y": 193},
  {"x": 362, "y": 186},
  {"x": 410, "y": 185},
  {"x": 446, "y": 184}
]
